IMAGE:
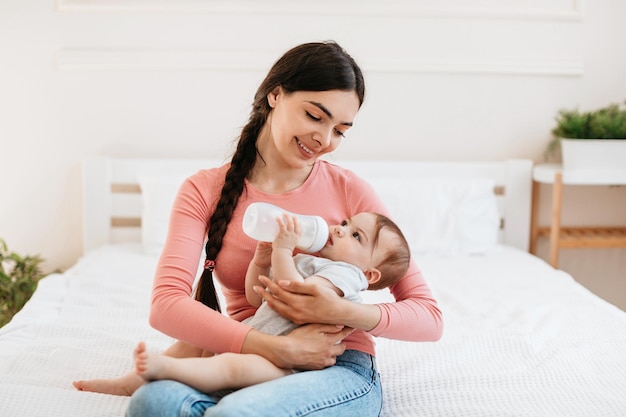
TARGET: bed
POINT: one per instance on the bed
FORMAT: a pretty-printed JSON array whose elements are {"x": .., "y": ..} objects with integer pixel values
[{"x": 520, "y": 338}]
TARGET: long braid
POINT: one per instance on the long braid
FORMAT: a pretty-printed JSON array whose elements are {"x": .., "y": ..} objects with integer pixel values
[{"x": 242, "y": 162}]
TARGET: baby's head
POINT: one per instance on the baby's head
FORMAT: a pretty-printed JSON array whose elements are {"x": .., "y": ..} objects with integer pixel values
[{"x": 373, "y": 243}]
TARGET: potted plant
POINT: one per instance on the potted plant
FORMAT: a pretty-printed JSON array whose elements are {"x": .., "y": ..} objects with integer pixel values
[
  {"x": 19, "y": 276},
  {"x": 591, "y": 140}
]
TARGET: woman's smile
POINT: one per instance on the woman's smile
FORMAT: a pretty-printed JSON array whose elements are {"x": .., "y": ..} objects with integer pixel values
[{"x": 304, "y": 147}]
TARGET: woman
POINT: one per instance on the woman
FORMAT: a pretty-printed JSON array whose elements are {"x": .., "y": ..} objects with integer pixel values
[{"x": 301, "y": 111}]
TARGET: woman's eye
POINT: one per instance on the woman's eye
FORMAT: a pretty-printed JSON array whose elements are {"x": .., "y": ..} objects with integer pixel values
[
  {"x": 357, "y": 236},
  {"x": 344, "y": 223},
  {"x": 317, "y": 119},
  {"x": 340, "y": 133}
]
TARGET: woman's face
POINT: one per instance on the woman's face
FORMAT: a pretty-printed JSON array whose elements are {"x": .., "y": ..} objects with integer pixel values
[{"x": 305, "y": 125}]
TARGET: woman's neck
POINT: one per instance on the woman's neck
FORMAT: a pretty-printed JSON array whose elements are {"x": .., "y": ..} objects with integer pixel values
[
  {"x": 274, "y": 177},
  {"x": 271, "y": 172}
]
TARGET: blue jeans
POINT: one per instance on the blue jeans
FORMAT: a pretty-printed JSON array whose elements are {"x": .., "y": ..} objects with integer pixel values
[{"x": 350, "y": 388}]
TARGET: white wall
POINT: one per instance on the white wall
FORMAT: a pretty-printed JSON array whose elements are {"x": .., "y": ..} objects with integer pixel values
[{"x": 447, "y": 80}]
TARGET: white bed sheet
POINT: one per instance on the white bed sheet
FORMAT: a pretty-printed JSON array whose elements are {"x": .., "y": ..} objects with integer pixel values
[
  {"x": 520, "y": 339},
  {"x": 81, "y": 324}
]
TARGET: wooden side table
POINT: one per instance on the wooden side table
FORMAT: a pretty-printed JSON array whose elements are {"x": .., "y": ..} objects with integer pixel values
[{"x": 572, "y": 237}]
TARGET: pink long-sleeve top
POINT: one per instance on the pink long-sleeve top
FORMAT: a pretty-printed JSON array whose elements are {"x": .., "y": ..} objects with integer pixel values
[{"x": 331, "y": 192}]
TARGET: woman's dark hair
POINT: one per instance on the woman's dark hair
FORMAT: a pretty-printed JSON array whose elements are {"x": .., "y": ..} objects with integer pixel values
[{"x": 316, "y": 66}]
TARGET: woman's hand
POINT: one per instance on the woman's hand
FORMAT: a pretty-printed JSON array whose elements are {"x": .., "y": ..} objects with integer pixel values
[
  {"x": 303, "y": 303},
  {"x": 316, "y": 346},
  {"x": 310, "y": 347}
]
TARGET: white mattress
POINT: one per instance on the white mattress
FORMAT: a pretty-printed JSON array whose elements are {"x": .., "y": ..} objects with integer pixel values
[{"x": 520, "y": 339}]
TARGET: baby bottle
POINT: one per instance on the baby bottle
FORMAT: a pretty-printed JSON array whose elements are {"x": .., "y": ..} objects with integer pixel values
[{"x": 259, "y": 222}]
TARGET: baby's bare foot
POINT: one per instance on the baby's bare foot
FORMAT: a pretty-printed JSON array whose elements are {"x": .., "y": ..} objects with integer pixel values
[
  {"x": 124, "y": 385},
  {"x": 149, "y": 366}
]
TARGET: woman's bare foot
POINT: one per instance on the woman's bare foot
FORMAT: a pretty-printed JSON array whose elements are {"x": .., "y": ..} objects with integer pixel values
[
  {"x": 149, "y": 366},
  {"x": 124, "y": 385}
]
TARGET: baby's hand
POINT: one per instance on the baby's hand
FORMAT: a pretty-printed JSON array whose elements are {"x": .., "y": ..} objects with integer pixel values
[
  {"x": 288, "y": 233},
  {"x": 263, "y": 255}
]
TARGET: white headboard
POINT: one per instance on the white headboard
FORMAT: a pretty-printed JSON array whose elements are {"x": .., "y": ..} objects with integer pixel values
[{"x": 112, "y": 199}]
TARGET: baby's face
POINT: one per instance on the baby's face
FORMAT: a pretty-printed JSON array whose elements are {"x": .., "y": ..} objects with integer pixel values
[{"x": 352, "y": 241}]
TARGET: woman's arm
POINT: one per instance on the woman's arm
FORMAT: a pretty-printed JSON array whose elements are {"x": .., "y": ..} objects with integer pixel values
[
  {"x": 173, "y": 310},
  {"x": 415, "y": 315}
]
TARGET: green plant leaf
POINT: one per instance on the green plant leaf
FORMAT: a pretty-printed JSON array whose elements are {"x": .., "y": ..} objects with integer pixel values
[
  {"x": 605, "y": 123},
  {"x": 19, "y": 276}
]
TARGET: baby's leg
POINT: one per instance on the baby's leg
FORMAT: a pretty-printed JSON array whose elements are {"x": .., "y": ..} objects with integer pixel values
[
  {"x": 182, "y": 349},
  {"x": 124, "y": 385},
  {"x": 128, "y": 383},
  {"x": 227, "y": 370}
]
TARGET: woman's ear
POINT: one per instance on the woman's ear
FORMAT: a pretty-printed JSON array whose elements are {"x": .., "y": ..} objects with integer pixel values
[
  {"x": 372, "y": 275},
  {"x": 272, "y": 97}
]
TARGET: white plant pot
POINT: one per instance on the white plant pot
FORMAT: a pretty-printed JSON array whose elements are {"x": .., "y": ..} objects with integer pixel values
[{"x": 593, "y": 154}]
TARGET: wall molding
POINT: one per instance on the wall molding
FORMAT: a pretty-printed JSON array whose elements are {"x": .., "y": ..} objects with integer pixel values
[
  {"x": 399, "y": 8},
  {"x": 128, "y": 59},
  {"x": 260, "y": 61},
  {"x": 509, "y": 66}
]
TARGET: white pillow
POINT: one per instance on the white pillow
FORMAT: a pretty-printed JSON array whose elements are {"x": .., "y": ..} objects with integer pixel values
[
  {"x": 443, "y": 216},
  {"x": 157, "y": 197}
]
